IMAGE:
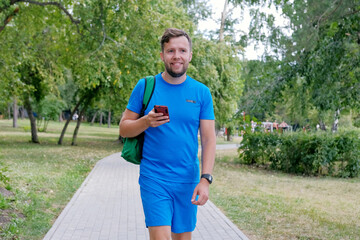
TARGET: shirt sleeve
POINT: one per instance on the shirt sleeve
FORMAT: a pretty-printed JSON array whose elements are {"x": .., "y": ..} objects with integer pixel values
[
  {"x": 207, "y": 108},
  {"x": 137, "y": 95}
]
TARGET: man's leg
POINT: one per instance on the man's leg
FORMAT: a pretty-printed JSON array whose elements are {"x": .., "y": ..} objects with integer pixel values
[
  {"x": 181, "y": 236},
  {"x": 158, "y": 210},
  {"x": 160, "y": 233},
  {"x": 184, "y": 218}
]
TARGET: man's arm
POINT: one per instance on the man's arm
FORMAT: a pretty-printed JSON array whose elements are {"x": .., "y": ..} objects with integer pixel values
[
  {"x": 208, "y": 148},
  {"x": 131, "y": 125},
  {"x": 208, "y": 145}
]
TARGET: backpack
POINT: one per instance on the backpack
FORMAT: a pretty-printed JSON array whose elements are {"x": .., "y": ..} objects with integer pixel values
[{"x": 132, "y": 149}]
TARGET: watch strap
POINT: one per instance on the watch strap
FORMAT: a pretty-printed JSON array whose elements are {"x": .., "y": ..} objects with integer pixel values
[{"x": 208, "y": 177}]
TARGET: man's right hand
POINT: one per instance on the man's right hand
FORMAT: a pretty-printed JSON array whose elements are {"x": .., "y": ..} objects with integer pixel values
[
  {"x": 131, "y": 125},
  {"x": 156, "y": 119}
]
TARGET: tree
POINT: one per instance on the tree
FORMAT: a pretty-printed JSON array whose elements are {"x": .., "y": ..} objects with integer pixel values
[
  {"x": 333, "y": 71},
  {"x": 30, "y": 54},
  {"x": 260, "y": 82},
  {"x": 48, "y": 109},
  {"x": 224, "y": 80},
  {"x": 318, "y": 58},
  {"x": 32, "y": 79},
  {"x": 197, "y": 10}
]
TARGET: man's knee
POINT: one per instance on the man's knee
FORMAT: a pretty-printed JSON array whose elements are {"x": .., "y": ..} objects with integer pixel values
[
  {"x": 160, "y": 233},
  {"x": 181, "y": 236}
]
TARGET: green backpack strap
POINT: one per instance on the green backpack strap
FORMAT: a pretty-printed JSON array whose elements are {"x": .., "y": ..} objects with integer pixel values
[{"x": 148, "y": 92}]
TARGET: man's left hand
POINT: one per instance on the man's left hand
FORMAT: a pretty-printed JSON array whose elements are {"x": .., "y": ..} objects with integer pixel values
[{"x": 201, "y": 190}]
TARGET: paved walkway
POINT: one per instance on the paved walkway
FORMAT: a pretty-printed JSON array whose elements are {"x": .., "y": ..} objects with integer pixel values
[
  {"x": 108, "y": 206},
  {"x": 227, "y": 146}
]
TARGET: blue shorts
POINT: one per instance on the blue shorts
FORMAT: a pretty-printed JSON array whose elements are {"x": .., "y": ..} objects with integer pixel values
[{"x": 168, "y": 204}]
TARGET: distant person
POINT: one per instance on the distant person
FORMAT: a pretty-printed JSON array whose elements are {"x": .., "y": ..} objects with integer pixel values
[
  {"x": 253, "y": 126},
  {"x": 275, "y": 125},
  {"x": 267, "y": 126},
  {"x": 170, "y": 184}
]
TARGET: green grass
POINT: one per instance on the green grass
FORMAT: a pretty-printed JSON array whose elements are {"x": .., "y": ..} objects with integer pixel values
[
  {"x": 272, "y": 205},
  {"x": 45, "y": 176},
  {"x": 234, "y": 140}
]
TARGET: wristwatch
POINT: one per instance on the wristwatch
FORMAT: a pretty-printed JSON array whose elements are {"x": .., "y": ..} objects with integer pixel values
[{"x": 207, "y": 177}]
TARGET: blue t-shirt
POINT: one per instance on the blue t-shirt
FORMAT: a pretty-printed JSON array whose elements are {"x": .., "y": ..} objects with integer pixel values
[{"x": 170, "y": 151}]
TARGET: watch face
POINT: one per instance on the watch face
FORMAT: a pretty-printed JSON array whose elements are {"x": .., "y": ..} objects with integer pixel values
[{"x": 210, "y": 178}]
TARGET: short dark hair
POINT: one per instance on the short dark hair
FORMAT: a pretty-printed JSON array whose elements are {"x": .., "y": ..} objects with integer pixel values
[{"x": 173, "y": 33}]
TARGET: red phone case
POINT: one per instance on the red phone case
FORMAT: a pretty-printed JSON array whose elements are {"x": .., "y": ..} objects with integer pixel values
[{"x": 161, "y": 109}]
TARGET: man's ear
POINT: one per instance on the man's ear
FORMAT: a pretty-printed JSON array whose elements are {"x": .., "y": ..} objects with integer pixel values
[
  {"x": 162, "y": 56},
  {"x": 190, "y": 56}
]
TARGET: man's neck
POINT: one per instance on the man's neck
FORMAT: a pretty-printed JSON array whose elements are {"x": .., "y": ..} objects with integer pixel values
[{"x": 169, "y": 79}]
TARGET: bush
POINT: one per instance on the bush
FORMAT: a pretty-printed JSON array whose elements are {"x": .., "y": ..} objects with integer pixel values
[
  {"x": 356, "y": 122},
  {"x": 304, "y": 153}
]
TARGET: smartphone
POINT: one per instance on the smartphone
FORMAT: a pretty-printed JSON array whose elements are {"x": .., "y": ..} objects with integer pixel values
[{"x": 161, "y": 109}]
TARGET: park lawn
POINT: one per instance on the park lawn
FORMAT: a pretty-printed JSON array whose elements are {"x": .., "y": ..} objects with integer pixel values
[
  {"x": 234, "y": 140},
  {"x": 272, "y": 205},
  {"x": 45, "y": 176}
]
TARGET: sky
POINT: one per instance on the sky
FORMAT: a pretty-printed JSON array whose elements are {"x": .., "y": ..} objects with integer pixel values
[{"x": 217, "y": 8}]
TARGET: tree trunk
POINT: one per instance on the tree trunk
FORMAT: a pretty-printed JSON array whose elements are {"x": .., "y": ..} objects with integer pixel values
[
  {"x": 101, "y": 118},
  {"x": 336, "y": 121},
  {"x": 34, "y": 136},
  {"x": 46, "y": 123},
  {"x": 61, "y": 117},
  {"x": 223, "y": 19},
  {"x": 68, "y": 120},
  {"x": 78, "y": 122},
  {"x": 228, "y": 134},
  {"x": 322, "y": 125},
  {"x": 15, "y": 113},
  {"x": 86, "y": 104},
  {"x": 22, "y": 112},
  {"x": 224, "y": 15},
  {"x": 93, "y": 119},
  {"x": 109, "y": 118},
  {"x": 88, "y": 97}
]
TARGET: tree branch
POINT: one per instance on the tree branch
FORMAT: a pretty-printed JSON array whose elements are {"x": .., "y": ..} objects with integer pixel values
[
  {"x": 8, "y": 19},
  {"x": 103, "y": 29},
  {"x": 350, "y": 13},
  {"x": 331, "y": 13},
  {"x": 54, "y": 4},
  {"x": 12, "y": 2},
  {"x": 117, "y": 43}
]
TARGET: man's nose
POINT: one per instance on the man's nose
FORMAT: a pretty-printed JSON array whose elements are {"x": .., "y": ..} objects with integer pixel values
[{"x": 176, "y": 54}]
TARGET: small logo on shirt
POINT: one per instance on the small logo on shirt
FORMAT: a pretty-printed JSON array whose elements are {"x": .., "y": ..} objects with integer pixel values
[{"x": 190, "y": 101}]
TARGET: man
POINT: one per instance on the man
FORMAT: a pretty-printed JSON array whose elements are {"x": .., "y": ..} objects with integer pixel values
[{"x": 169, "y": 170}]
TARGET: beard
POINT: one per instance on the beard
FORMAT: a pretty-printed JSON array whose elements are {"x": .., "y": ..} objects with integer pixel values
[{"x": 176, "y": 74}]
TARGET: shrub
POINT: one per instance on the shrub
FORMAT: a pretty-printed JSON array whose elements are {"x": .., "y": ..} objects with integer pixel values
[
  {"x": 356, "y": 122},
  {"x": 348, "y": 146},
  {"x": 304, "y": 153}
]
